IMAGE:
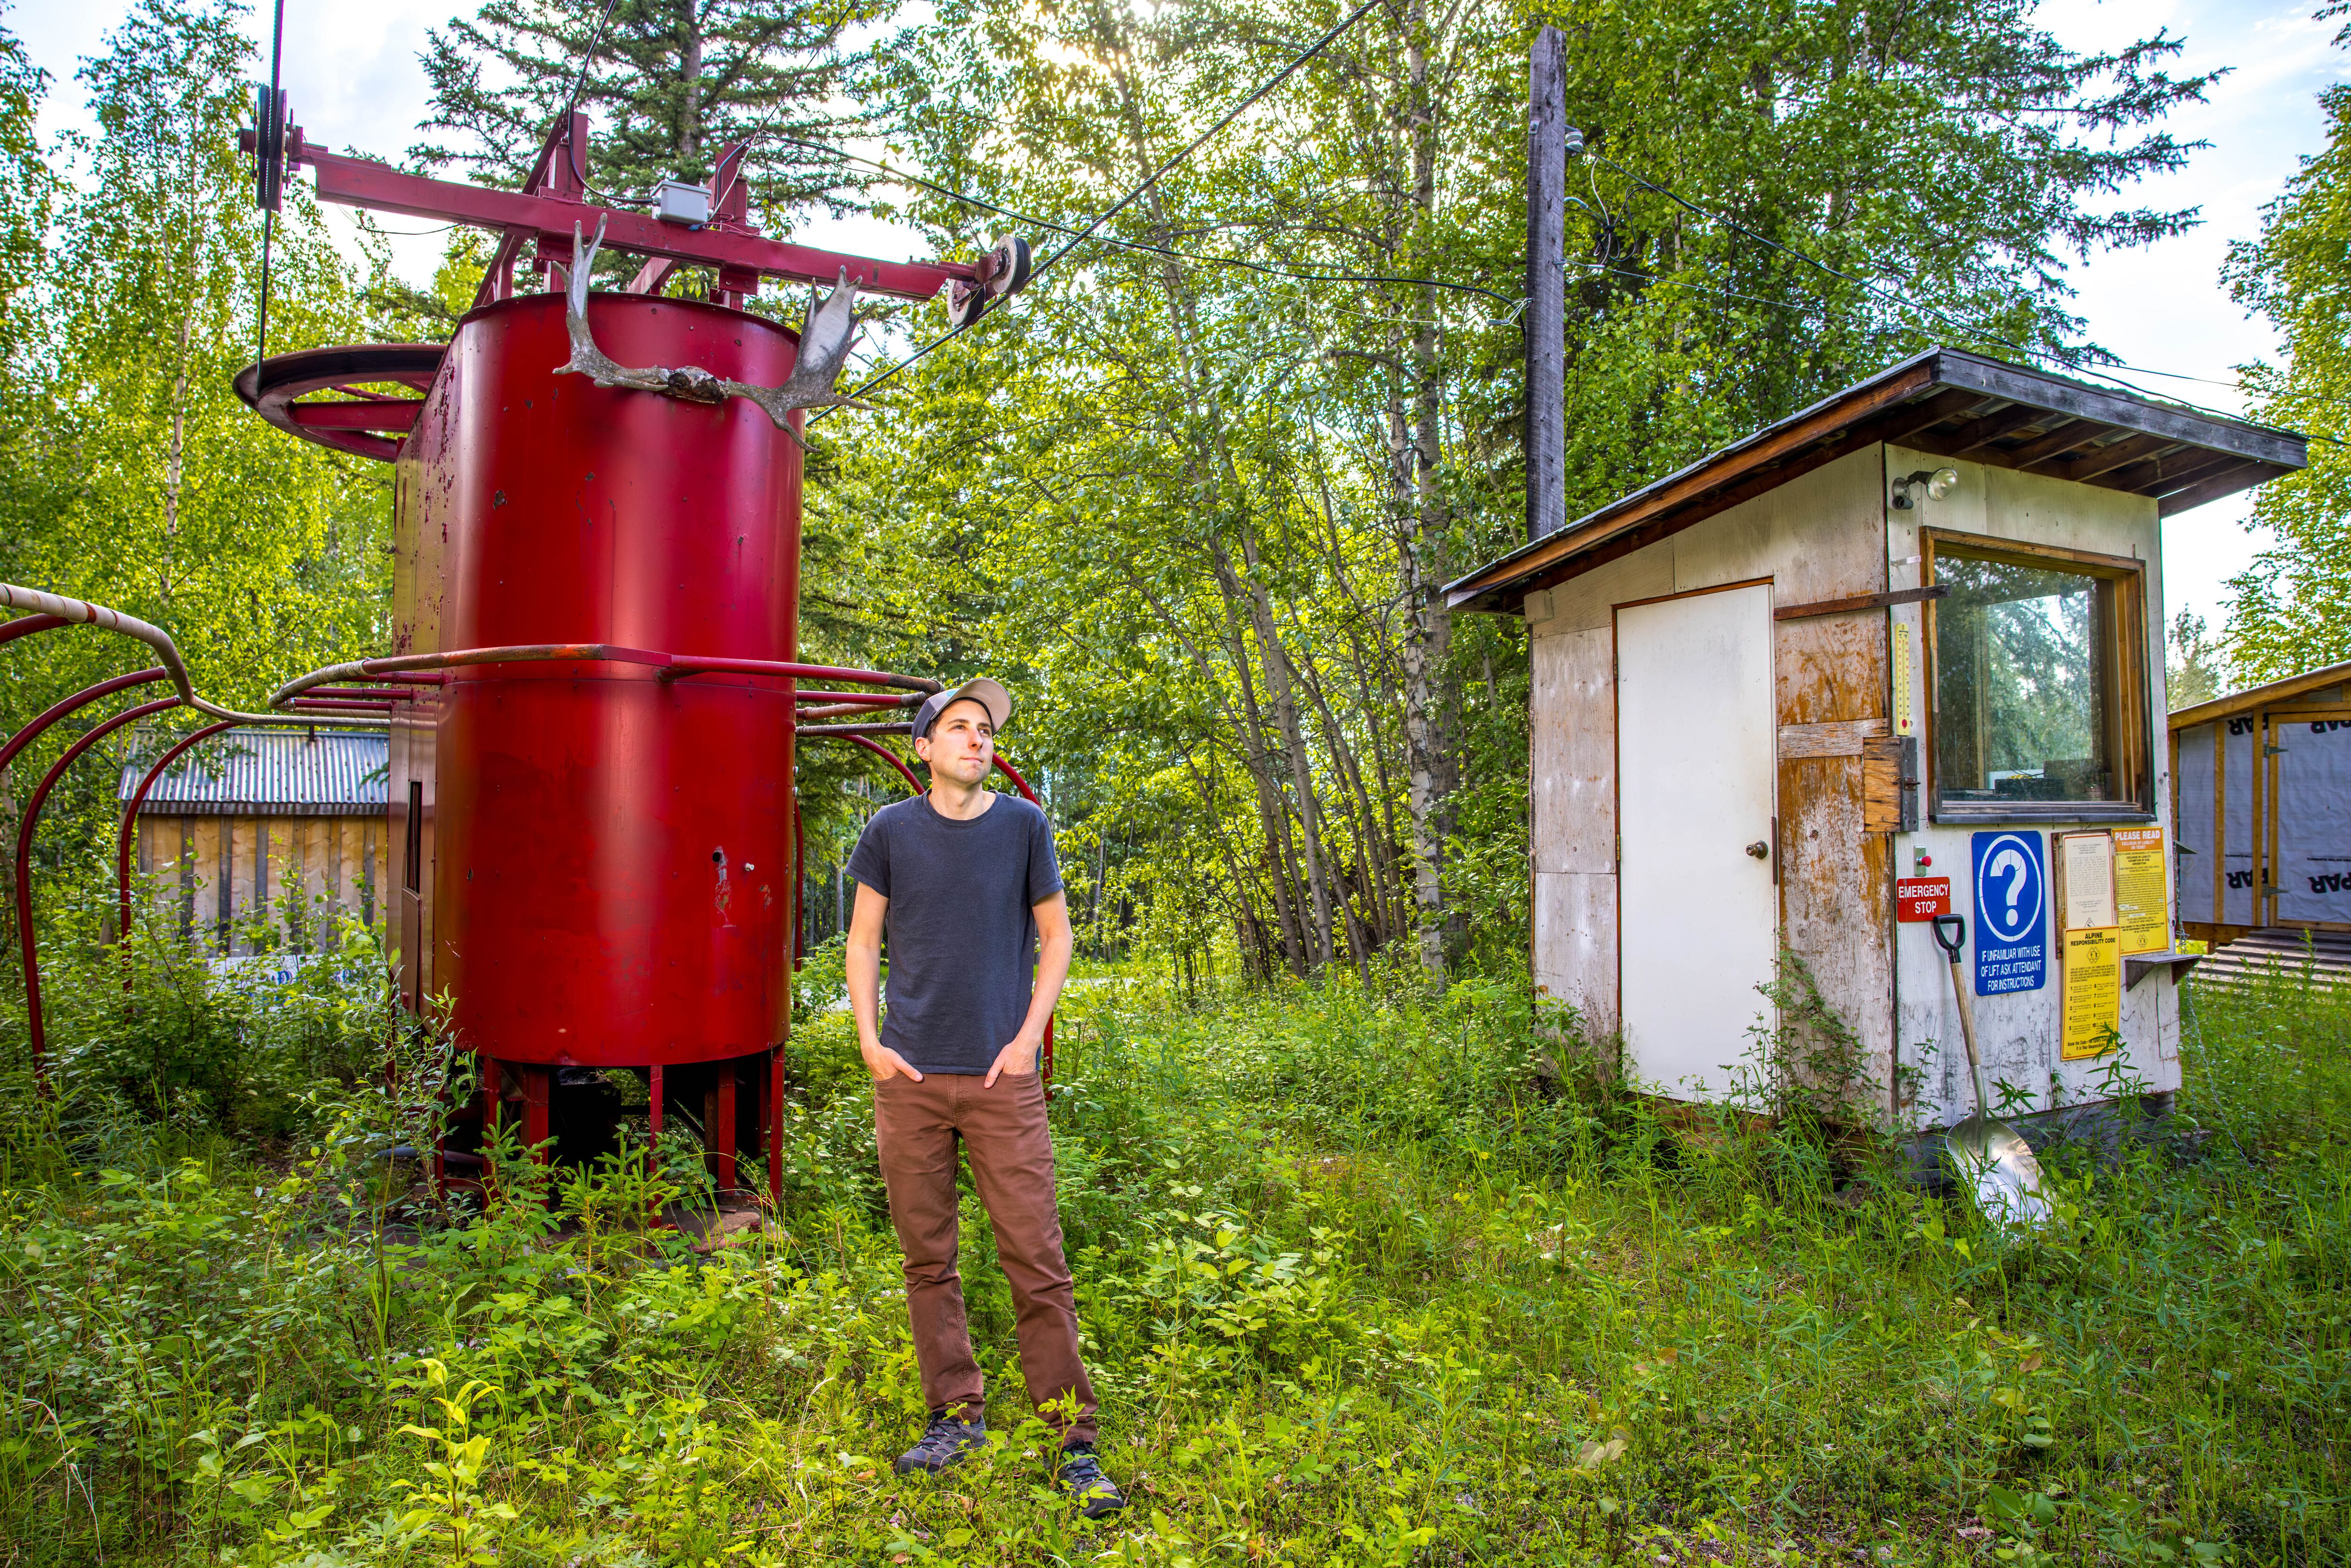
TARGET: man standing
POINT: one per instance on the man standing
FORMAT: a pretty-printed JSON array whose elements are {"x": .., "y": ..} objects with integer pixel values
[{"x": 965, "y": 884}]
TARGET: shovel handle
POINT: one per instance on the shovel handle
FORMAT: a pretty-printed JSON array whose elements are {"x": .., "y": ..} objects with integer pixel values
[
  {"x": 1950, "y": 940},
  {"x": 1951, "y": 944}
]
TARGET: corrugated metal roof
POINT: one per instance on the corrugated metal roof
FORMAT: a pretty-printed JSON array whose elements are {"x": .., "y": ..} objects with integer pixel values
[{"x": 269, "y": 772}]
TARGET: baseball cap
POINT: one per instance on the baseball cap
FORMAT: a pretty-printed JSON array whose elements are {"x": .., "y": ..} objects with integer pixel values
[{"x": 979, "y": 689}]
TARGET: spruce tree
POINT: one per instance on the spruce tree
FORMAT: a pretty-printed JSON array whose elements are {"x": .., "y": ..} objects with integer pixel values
[{"x": 671, "y": 82}]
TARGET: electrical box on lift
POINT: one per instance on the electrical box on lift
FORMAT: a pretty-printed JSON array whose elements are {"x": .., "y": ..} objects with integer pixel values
[{"x": 675, "y": 202}]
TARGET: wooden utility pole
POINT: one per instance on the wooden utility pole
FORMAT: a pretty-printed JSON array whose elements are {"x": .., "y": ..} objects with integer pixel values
[{"x": 1546, "y": 316}]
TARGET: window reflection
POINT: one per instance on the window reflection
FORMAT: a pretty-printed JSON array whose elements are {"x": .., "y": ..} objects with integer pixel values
[{"x": 2022, "y": 704}]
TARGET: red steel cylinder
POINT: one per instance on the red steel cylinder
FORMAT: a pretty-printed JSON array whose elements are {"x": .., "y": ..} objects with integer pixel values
[{"x": 605, "y": 859}]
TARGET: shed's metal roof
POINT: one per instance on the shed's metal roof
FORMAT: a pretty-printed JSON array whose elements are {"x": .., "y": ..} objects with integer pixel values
[
  {"x": 1946, "y": 402},
  {"x": 267, "y": 773}
]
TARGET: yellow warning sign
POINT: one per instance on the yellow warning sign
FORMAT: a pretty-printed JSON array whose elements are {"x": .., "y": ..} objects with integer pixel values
[
  {"x": 2092, "y": 990},
  {"x": 2142, "y": 899}
]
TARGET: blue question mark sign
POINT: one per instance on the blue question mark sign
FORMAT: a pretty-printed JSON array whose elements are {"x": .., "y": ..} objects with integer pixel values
[{"x": 2012, "y": 899}]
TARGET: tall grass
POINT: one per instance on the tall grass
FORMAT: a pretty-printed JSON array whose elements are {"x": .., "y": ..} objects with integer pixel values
[{"x": 1365, "y": 1280}]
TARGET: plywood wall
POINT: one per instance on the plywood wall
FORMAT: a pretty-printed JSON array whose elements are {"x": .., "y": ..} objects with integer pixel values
[
  {"x": 218, "y": 877},
  {"x": 2018, "y": 1032},
  {"x": 1819, "y": 536}
]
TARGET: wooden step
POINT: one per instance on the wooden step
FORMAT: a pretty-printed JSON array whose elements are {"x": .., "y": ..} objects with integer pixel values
[{"x": 2317, "y": 958}]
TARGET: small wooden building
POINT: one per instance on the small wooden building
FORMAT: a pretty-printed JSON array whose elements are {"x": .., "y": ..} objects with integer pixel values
[
  {"x": 2262, "y": 816},
  {"x": 277, "y": 826},
  {"x": 1910, "y": 636}
]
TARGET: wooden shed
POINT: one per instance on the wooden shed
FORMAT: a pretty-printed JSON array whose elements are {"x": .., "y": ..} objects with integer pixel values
[
  {"x": 1910, "y": 636},
  {"x": 2262, "y": 809},
  {"x": 277, "y": 826}
]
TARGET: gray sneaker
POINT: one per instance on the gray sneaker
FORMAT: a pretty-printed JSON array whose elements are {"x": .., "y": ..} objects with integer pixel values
[
  {"x": 945, "y": 1443},
  {"x": 1077, "y": 1471}
]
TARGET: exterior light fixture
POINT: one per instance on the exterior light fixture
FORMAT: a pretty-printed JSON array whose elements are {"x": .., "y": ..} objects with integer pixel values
[{"x": 1936, "y": 483}]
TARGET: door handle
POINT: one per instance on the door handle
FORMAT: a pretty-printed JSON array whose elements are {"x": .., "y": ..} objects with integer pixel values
[{"x": 1760, "y": 850}]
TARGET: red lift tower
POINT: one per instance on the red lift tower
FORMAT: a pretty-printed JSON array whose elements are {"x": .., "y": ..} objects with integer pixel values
[{"x": 593, "y": 690}]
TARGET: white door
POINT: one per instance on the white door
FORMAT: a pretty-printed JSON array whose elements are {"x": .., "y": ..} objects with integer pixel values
[{"x": 1696, "y": 756}]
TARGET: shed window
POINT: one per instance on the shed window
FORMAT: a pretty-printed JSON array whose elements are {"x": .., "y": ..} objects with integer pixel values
[{"x": 2038, "y": 696}]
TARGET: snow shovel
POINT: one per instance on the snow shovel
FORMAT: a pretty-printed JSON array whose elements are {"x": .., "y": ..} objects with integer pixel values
[{"x": 1988, "y": 1156}]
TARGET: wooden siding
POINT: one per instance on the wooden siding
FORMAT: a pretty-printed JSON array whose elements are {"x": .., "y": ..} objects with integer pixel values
[
  {"x": 222, "y": 875},
  {"x": 2018, "y": 1031},
  {"x": 1819, "y": 536}
]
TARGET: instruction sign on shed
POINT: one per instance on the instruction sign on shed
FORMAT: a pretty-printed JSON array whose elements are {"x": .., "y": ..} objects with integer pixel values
[{"x": 2012, "y": 892}]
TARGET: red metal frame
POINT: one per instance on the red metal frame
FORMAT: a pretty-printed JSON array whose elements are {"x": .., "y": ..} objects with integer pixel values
[
  {"x": 547, "y": 218},
  {"x": 82, "y": 699},
  {"x": 371, "y": 424},
  {"x": 28, "y": 942},
  {"x": 130, "y": 828},
  {"x": 545, "y": 214},
  {"x": 673, "y": 668},
  {"x": 888, "y": 756},
  {"x": 25, "y": 625}
]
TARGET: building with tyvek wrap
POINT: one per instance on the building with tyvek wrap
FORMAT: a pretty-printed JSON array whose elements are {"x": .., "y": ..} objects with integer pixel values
[{"x": 2265, "y": 809}]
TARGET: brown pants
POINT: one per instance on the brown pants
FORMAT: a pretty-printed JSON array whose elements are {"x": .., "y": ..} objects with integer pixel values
[{"x": 915, "y": 1128}]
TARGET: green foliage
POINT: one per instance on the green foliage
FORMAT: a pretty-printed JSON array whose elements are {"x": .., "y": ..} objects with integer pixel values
[
  {"x": 2292, "y": 612},
  {"x": 1196, "y": 499},
  {"x": 2193, "y": 673},
  {"x": 1357, "y": 1284},
  {"x": 672, "y": 83},
  {"x": 151, "y": 1027},
  {"x": 1941, "y": 154},
  {"x": 131, "y": 473}
]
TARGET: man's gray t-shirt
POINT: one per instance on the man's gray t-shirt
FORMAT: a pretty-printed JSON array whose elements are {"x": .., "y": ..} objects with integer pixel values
[{"x": 962, "y": 941}]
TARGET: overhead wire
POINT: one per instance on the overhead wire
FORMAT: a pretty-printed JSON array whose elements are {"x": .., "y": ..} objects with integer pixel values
[
  {"x": 1283, "y": 75},
  {"x": 2077, "y": 365},
  {"x": 580, "y": 85},
  {"x": 1132, "y": 196},
  {"x": 1168, "y": 253},
  {"x": 262, "y": 143},
  {"x": 1074, "y": 237}
]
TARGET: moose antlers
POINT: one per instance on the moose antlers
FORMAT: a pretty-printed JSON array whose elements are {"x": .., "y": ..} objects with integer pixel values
[{"x": 825, "y": 339}]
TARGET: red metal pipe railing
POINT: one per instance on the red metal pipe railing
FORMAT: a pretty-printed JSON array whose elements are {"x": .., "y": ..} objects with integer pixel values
[
  {"x": 82, "y": 699},
  {"x": 339, "y": 692},
  {"x": 682, "y": 666},
  {"x": 884, "y": 753},
  {"x": 25, "y": 625},
  {"x": 1017, "y": 782},
  {"x": 672, "y": 667},
  {"x": 901, "y": 728},
  {"x": 859, "y": 699},
  {"x": 77, "y": 612},
  {"x": 800, "y": 884},
  {"x": 26, "y": 941},
  {"x": 51, "y": 611},
  {"x": 129, "y": 831}
]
